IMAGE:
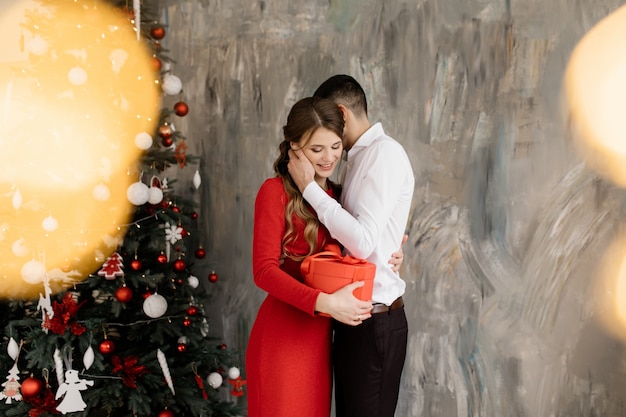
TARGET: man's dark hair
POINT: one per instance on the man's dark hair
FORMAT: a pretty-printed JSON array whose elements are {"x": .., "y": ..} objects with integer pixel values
[{"x": 344, "y": 89}]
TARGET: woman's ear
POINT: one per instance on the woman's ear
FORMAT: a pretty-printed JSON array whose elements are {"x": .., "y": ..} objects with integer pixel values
[{"x": 294, "y": 146}]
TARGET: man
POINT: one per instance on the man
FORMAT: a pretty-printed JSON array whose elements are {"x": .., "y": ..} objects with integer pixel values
[{"x": 370, "y": 223}]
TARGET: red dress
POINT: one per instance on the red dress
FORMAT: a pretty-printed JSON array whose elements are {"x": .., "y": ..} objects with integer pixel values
[{"x": 288, "y": 363}]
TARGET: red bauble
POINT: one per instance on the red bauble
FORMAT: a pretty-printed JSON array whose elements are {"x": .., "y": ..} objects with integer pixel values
[
  {"x": 162, "y": 259},
  {"x": 181, "y": 108},
  {"x": 136, "y": 265},
  {"x": 156, "y": 64},
  {"x": 166, "y": 413},
  {"x": 146, "y": 294},
  {"x": 222, "y": 346},
  {"x": 167, "y": 142},
  {"x": 200, "y": 253},
  {"x": 157, "y": 32},
  {"x": 192, "y": 310},
  {"x": 213, "y": 276},
  {"x": 165, "y": 131},
  {"x": 31, "y": 386},
  {"x": 176, "y": 209},
  {"x": 194, "y": 215},
  {"x": 179, "y": 265},
  {"x": 182, "y": 347},
  {"x": 123, "y": 294},
  {"x": 187, "y": 322},
  {"x": 107, "y": 347}
]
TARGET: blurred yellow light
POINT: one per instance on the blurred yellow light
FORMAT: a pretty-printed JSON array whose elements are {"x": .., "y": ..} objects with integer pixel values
[
  {"x": 595, "y": 96},
  {"x": 76, "y": 88}
]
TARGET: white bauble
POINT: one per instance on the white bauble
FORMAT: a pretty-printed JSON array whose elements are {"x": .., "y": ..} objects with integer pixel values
[
  {"x": 88, "y": 357},
  {"x": 171, "y": 85},
  {"x": 50, "y": 224},
  {"x": 233, "y": 373},
  {"x": 101, "y": 192},
  {"x": 13, "y": 349},
  {"x": 19, "y": 249},
  {"x": 138, "y": 193},
  {"x": 193, "y": 281},
  {"x": 33, "y": 272},
  {"x": 197, "y": 180},
  {"x": 38, "y": 45},
  {"x": 214, "y": 380},
  {"x": 143, "y": 141},
  {"x": 155, "y": 306},
  {"x": 183, "y": 340},
  {"x": 155, "y": 195},
  {"x": 77, "y": 76}
]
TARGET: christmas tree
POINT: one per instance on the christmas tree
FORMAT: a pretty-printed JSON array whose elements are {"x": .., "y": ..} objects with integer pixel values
[{"x": 131, "y": 338}]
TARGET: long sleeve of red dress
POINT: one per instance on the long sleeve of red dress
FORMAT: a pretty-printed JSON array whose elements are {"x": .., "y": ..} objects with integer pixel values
[{"x": 269, "y": 229}]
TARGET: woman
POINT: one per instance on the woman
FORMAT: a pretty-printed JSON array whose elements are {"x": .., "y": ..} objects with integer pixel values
[{"x": 288, "y": 363}]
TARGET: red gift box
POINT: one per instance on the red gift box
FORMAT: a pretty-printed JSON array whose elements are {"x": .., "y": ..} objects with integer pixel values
[{"x": 329, "y": 271}]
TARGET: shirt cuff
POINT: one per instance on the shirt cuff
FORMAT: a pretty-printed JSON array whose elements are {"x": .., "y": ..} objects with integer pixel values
[{"x": 314, "y": 194}]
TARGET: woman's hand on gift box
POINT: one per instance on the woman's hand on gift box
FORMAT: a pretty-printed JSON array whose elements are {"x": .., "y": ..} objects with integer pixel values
[{"x": 343, "y": 306}]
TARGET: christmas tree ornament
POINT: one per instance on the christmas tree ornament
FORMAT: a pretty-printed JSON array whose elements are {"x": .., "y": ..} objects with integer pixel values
[
  {"x": 129, "y": 369},
  {"x": 33, "y": 272},
  {"x": 194, "y": 215},
  {"x": 237, "y": 384},
  {"x": 106, "y": 347},
  {"x": 204, "y": 327},
  {"x": 50, "y": 224},
  {"x": 165, "y": 131},
  {"x": 162, "y": 258},
  {"x": 58, "y": 366},
  {"x": 101, "y": 192},
  {"x": 88, "y": 357},
  {"x": 175, "y": 209},
  {"x": 167, "y": 142},
  {"x": 77, "y": 76},
  {"x": 200, "y": 253},
  {"x": 11, "y": 391},
  {"x": 155, "y": 191},
  {"x": 173, "y": 233},
  {"x": 166, "y": 370},
  {"x": 19, "y": 248},
  {"x": 233, "y": 372},
  {"x": 156, "y": 63},
  {"x": 171, "y": 85},
  {"x": 182, "y": 347},
  {"x": 187, "y": 322},
  {"x": 180, "y": 153},
  {"x": 64, "y": 317},
  {"x": 155, "y": 306},
  {"x": 31, "y": 386},
  {"x": 181, "y": 108},
  {"x": 138, "y": 193},
  {"x": 215, "y": 380},
  {"x": 143, "y": 141},
  {"x": 197, "y": 180},
  {"x": 123, "y": 294},
  {"x": 166, "y": 413},
  {"x": 113, "y": 267},
  {"x": 199, "y": 381},
  {"x": 180, "y": 265},
  {"x": 13, "y": 349},
  {"x": 45, "y": 304},
  {"x": 157, "y": 32},
  {"x": 192, "y": 310},
  {"x": 136, "y": 264},
  {"x": 37, "y": 46},
  {"x": 213, "y": 276},
  {"x": 193, "y": 281},
  {"x": 69, "y": 391}
]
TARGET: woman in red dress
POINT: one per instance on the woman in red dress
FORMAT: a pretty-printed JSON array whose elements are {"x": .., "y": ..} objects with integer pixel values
[{"x": 288, "y": 362}]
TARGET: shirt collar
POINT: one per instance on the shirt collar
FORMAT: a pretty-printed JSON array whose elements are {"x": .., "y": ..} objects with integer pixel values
[{"x": 375, "y": 131}]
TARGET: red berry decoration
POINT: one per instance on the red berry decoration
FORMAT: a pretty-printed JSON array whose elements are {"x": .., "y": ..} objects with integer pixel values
[
  {"x": 166, "y": 413},
  {"x": 179, "y": 265},
  {"x": 31, "y": 386},
  {"x": 175, "y": 209},
  {"x": 194, "y": 215},
  {"x": 156, "y": 64},
  {"x": 182, "y": 347},
  {"x": 107, "y": 347},
  {"x": 213, "y": 276},
  {"x": 200, "y": 253},
  {"x": 181, "y": 108},
  {"x": 123, "y": 294},
  {"x": 157, "y": 32},
  {"x": 192, "y": 310},
  {"x": 187, "y": 322},
  {"x": 162, "y": 259},
  {"x": 136, "y": 265}
]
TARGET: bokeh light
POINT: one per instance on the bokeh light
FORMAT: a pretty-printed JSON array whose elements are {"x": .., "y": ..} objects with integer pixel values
[
  {"x": 595, "y": 96},
  {"x": 76, "y": 88}
]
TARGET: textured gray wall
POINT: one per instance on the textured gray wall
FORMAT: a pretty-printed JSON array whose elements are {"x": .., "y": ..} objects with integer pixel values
[{"x": 508, "y": 226}]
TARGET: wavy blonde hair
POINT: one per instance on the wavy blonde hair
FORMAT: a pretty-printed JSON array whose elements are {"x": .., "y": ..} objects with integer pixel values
[{"x": 305, "y": 117}]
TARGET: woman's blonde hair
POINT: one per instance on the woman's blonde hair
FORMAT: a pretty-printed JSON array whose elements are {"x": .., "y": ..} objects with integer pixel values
[{"x": 305, "y": 117}]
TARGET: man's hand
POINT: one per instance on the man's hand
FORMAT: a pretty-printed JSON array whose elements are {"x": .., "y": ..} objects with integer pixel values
[
  {"x": 397, "y": 257},
  {"x": 300, "y": 169}
]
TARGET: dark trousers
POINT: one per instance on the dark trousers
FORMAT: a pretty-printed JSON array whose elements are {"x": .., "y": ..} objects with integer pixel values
[{"x": 368, "y": 361}]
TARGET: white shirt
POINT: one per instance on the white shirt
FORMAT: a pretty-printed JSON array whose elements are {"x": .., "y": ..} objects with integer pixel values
[{"x": 376, "y": 200}]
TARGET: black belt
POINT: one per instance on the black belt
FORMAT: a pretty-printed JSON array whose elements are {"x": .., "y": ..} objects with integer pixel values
[{"x": 382, "y": 308}]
